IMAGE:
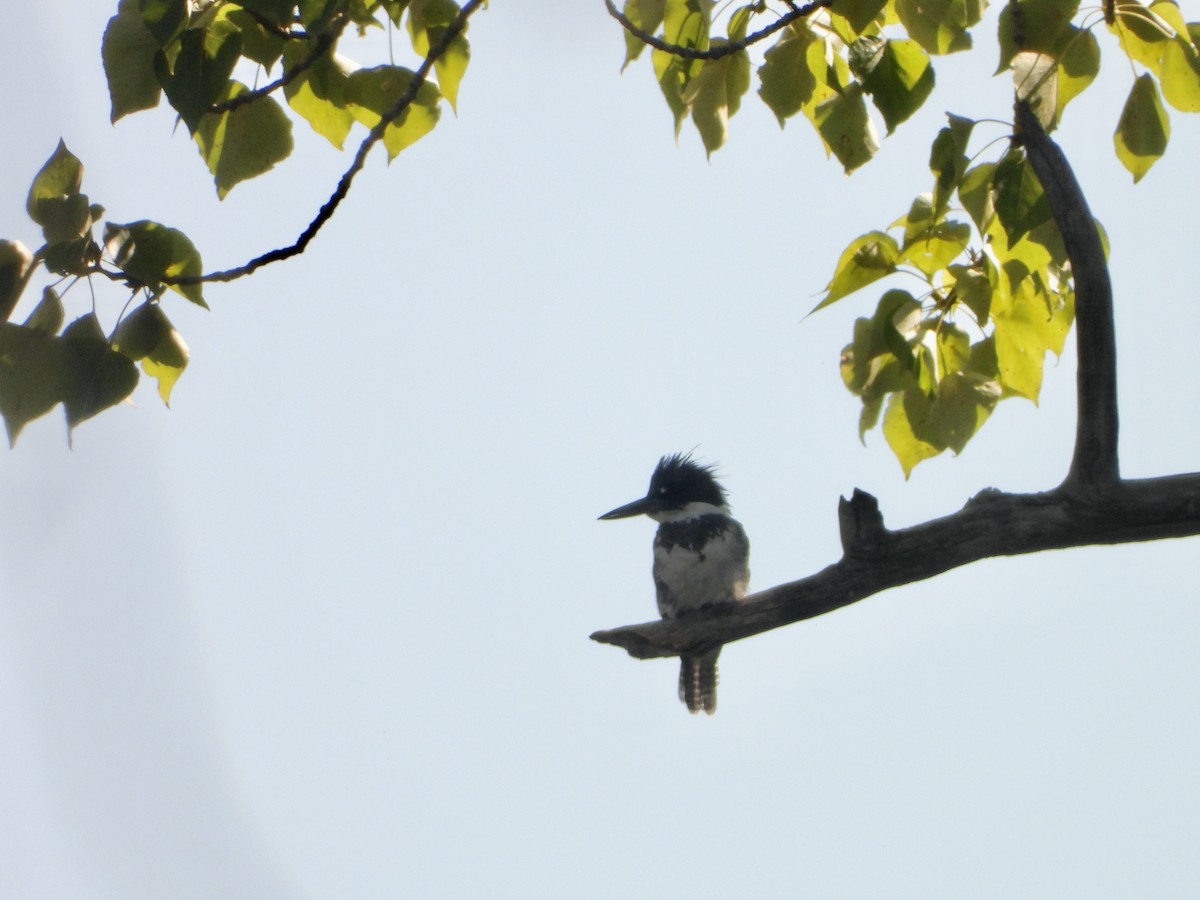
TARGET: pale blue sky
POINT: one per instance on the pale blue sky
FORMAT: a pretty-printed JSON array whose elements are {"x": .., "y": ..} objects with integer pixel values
[{"x": 320, "y": 630}]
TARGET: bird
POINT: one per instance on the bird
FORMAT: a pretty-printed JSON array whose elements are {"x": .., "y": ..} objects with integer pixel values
[{"x": 701, "y": 558}]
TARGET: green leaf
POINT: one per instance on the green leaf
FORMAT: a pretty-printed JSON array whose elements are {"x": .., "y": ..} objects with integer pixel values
[
  {"x": 973, "y": 288},
  {"x": 715, "y": 94},
  {"x": 150, "y": 252},
  {"x": 1045, "y": 28},
  {"x": 786, "y": 78},
  {"x": 1180, "y": 76},
  {"x": 59, "y": 179},
  {"x": 371, "y": 93},
  {"x": 164, "y": 19},
  {"x": 1028, "y": 320},
  {"x": 739, "y": 22},
  {"x": 953, "y": 349},
  {"x": 846, "y": 128},
  {"x": 948, "y": 160},
  {"x": 940, "y": 26},
  {"x": 907, "y": 413},
  {"x": 858, "y": 13},
  {"x": 32, "y": 376},
  {"x": 200, "y": 72},
  {"x": 646, "y": 15},
  {"x": 898, "y": 76},
  {"x": 15, "y": 261},
  {"x": 258, "y": 44},
  {"x": 244, "y": 142},
  {"x": 427, "y": 24},
  {"x": 278, "y": 12},
  {"x": 867, "y": 258},
  {"x": 1018, "y": 198},
  {"x": 128, "y": 50},
  {"x": 97, "y": 377},
  {"x": 319, "y": 94},
  {"x": 47, "y": 317},
  {"x": 146, "y": 335},
  {"x": 964, "y": 402},
  {"x": 1078, "y": 66},
  {"x": 686, "y": 23},
  {"x": 1143, "y": 129},
  {"x": 937, "y": 246}
]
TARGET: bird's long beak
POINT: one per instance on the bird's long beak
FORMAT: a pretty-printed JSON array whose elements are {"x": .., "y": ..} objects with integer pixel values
[{"x": 645, "y": 506}]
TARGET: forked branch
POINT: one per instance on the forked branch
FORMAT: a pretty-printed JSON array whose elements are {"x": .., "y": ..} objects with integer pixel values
[{"x": 1092, "y": 505}]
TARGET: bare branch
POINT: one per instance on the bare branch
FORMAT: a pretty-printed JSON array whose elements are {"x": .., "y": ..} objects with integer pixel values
[
  {"x": 991, "y": 524},
  {"x": 797, "y": 12},
  {"x": 1095, "y": 462}
]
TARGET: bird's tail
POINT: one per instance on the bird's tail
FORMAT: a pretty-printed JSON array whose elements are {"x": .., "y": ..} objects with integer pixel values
[{"x": 698, "y": 681}]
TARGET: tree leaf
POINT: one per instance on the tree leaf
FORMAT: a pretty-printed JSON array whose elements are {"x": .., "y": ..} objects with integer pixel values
[
  {"x": 948, "y": 160},
  {"x": 907, "y": 412},
  {"x": 243, "y": 142},
  {"x": 940, "y": 26},
  {"x": 858, "y": 13},
  {"x": 32, "y": 376},
  {"x": 786, "y": 79},
  {"x": 97, "y": 377},
  {"x": 128, "y": 50},
  {"x": 151, "y": 252},
  {"x": 936, "y": 246},
  {"x": 319, "y": 94},
  {"x": 147, "y": 336},
  {"x": 427, "y": 23},
  {"x": 164, "y": 19},
  {"x": 646, "y": 15},
  {"x": 59, "y": 178},
  {"x": 1018, "y": 198},
  {"x": 868, "y": 258},
  {"x": 199, "y": 74},
  {"x": 1180, "y": 76},
  {"x": 371, "y": 93},
  {"x": 15, "y": 260},
  {"x": 715, "y": 94},
  {"x": 1045, "y": 28},
  {"x": 1143, "y": 129},
  {"x": 1028, "y": 320},
  {"x": 846, "y": 128},
  {"x": 48, "y": 316},
  {"x": 898, "y": 76}
]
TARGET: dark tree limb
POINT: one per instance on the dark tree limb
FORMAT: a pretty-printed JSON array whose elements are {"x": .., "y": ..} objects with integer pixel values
[
  {"x": 1092, "y": 505},
  {"x": 1095, "y": 461}
]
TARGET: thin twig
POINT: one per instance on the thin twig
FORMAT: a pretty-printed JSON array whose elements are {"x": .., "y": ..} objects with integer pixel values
[
  {"x": 722, "y": 49},
  {"x": 321, "y": 46}
]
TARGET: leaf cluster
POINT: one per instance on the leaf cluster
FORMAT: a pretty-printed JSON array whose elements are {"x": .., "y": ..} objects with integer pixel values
[
  {"x": 189, "y": 53},
  {"x": 996, "y": 291},
  {"x": 42, "y": 363},
  {"x": 996, "y": 295}
]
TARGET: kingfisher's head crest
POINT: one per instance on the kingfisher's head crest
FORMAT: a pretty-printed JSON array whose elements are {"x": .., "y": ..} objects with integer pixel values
[{"x": 677, "y": 481}]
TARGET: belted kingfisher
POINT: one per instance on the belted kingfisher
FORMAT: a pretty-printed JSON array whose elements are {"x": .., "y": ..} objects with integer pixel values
[{"x": 701, "y": 558}]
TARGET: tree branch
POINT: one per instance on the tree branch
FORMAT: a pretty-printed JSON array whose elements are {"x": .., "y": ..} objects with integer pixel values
[
  {"x": 991, "y": 524},
  {"x": 1095, "y": 462},
  {"x": 1092, "y": 505},
  {"x": 797, "y": 12},
  {"x": 323, "y": 43}
]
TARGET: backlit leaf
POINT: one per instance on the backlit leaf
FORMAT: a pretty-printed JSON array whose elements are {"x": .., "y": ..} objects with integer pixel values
[
  {"x": 846, "y": 128},
  {"x": 15, "y": 260},
  {"x": 319, "y": 94},
  {"x": 148, "y": 337},
  {"x": 244, "y": 142},
  {"x": 427, "y": 23},
  {"x": 907, "y": 413},
  {"x": 1143, "y": 129},
  {"x": 940, "y": 26},
  {"x": 97, "y": 377},
  {"x": 371, "y": 94},
  {"x": 899, "y": 78},
  {"x": 715, "y": 94},
  {"x": 128, "y": 50},
  {"x": 868, "y": 258},
  {"x": 152, "y": 252},
  {"x": 32, "y": 376},
  {"x": 646, "y": 15}
]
